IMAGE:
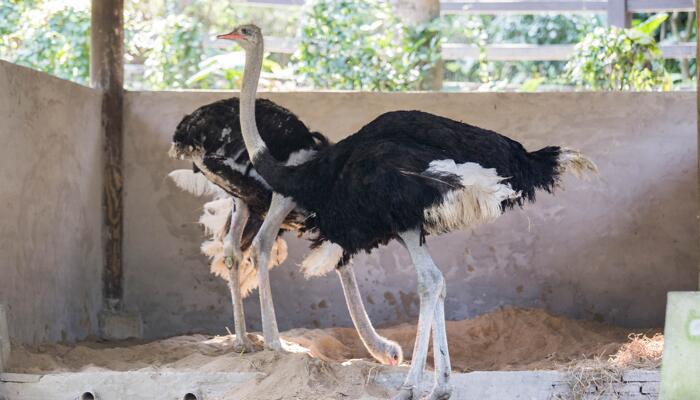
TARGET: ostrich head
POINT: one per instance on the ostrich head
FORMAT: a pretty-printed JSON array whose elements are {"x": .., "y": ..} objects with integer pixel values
[
  {"x": 392, "y": 354},
  {"x": 207, "y": 131},
  {"x": 247, "y": 36},
  {"x": 188, "y": 140}
]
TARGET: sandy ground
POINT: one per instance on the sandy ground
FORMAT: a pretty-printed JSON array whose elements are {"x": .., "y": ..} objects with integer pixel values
[{"x": 332, "y": 363}]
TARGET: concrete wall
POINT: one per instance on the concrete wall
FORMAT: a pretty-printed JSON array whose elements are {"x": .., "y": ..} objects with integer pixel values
[
  {"x": 608, "y": 249},
  {"x": 50, "y": 191}
]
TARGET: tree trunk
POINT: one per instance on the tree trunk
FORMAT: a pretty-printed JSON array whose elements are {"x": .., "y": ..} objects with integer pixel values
[{"x": 414, "y": 13}]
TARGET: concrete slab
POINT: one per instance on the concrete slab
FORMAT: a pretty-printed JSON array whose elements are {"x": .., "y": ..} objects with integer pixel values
[
  {"x": 681, "y": 363},
  {"x": 109, "y": 385},
  {"x": 138, "y": 385}
]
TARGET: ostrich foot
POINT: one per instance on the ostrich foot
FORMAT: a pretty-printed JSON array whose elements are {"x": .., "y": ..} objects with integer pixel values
[
  {"x": 245, "y": 345},
  {"x": 274, "y": 345},
  {"x": 405, "y": 393},
  {"x": 440, "y": 393}
]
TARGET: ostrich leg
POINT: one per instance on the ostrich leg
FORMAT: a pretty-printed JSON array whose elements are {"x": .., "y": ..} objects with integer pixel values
[
  {"x": 442, "y": 389},
  {"x": 233, "y": 256},
  {"x": 430, "y": 287},
  {"x": 385, "y": 350},
  {"x": 261, "y": 248}
]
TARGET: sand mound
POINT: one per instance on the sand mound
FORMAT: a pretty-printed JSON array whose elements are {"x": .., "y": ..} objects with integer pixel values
[
  {"x": 506, "y": 339},
  {"x": 332, "y": 363}
]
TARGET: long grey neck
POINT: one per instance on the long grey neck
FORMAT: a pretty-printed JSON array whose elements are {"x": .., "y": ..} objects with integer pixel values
[
  {"x": 251, "y": 75},
  {"x": 276, "y": 174}
]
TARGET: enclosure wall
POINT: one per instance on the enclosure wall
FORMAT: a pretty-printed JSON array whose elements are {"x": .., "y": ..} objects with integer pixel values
[
  {"x": 50, "y": 174},
  {"x": 608, "y": 249}
]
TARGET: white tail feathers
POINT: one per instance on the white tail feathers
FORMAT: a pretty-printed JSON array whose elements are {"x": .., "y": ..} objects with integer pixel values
[
  {"x": 215, "y": 215},
  {"x": 478, "y": 200},
  {"x": 576, "y": 163},
  {"x": 322, "y": 259},
  {"x": 194, "y": 183}
]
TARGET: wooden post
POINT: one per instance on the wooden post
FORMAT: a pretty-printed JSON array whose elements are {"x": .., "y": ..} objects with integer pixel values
[
  {"x": 107, "y": 74},
  {"x": 4, "y": 339},
  {"x": 618, "y": 15},
  {"x": 416, "y": 12}
]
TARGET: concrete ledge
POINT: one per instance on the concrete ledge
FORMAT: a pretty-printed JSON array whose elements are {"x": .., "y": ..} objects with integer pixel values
[
  {"x": 109, "y": 385},
  {"x": 139, "y": 385},
  {"x": 535, "y": 385}
]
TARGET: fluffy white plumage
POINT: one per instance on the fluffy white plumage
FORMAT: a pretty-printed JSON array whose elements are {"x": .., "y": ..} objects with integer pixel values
[
  {"x": 247, "y": 274},
  {"x": 322, "y": 259},
  {"x": 195, "y": 183},
  {"x": 215, "y": 215},
  {"x": 477, "y": 202}
]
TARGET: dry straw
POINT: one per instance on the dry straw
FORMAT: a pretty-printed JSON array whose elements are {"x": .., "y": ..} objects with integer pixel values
[{"x": 597, "y": 378}]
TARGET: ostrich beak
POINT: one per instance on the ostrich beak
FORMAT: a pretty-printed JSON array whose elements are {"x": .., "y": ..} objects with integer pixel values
[{"x": 230, "y": 36}]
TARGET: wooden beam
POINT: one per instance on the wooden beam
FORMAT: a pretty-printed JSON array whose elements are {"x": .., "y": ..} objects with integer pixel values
[
  {"x": 649, "y": 6},
  {"x": 5, "y": 347},
  {"x": 107, "y": 75},
  {"x": 495, "y": 52},
  {"x": 533, "y": 52},
  {"x": 527, "y": 6},
  {"x": 560, "y": 6},
  {"x": 618, "y": 14},
  {"x": 523, "y": 7},
  {"x": 276, "y": 3},
  {"x": 508, "y": 52}
]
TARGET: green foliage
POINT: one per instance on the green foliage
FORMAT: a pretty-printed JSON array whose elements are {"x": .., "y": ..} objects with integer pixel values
[
  {"x": 52, "y": 36},
  {"x": 619, "y": 59},
  {"x": 483, "y": 30},
  {"x": 172, "y": 48},
  {"x": 362, "y": 46},
  {"x": 10, "y": 13},
  {"x": 225, "y": 71},
  {"x": 345, "y": 45}
]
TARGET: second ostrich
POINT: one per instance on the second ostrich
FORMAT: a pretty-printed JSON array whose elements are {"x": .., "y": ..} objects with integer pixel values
[
  {"x": 211, "y": 138},
  {"x": 404, "y": 175}
]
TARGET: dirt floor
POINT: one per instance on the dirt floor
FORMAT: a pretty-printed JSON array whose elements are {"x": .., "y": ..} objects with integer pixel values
[{"x": 332, "y": 363}]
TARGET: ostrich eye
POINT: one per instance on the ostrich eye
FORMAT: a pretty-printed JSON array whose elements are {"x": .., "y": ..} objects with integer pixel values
[{"x": 245, "y": 31}]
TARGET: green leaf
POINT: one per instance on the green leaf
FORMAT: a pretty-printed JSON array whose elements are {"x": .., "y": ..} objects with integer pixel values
[
  {"x": 653, "y": 23},
  {"x": 532, "y": 84}
]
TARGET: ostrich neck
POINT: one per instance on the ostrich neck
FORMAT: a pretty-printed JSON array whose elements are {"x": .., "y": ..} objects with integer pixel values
[
  {"x": 251, "y": 74},
  {"x": 277, "y": 175}
]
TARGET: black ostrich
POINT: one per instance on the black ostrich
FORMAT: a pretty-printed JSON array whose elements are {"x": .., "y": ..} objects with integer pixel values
[
  {"x": 405, "y": 175},
  {"x": 211, "y": 138}
]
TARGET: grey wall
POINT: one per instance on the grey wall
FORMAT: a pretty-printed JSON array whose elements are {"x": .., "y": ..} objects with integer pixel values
[
  {"x": 50, "y": 188},
  {"x": 608, "y": 249}
]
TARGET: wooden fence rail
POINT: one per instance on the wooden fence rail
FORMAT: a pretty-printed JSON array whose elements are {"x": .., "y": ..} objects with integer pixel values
[
  {"x": 530, "y": 6},
  {"x": 494, "y": 52},
  {"x": 618, "y": 14}
]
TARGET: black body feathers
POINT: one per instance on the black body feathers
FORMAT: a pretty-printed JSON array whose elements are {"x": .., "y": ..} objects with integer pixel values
[
  {"x": 213, "y": 132},
  {"x": 367, "y": 188}
]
